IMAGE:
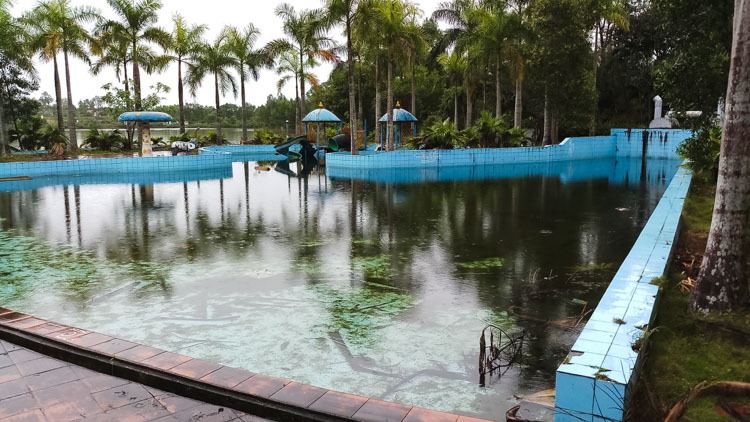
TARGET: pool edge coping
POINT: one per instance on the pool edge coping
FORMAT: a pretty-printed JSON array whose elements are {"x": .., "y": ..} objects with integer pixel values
[
  {"x": 72, "y": 344},
  {"x": 628, "y": 305}
]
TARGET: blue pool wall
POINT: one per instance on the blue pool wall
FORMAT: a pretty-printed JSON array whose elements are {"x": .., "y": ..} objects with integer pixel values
[
  {"x": 660, "y": 143},
  {"x": 598, "y": 377},
  {"x": 115, "y": 165},
  {"x": 246, "y": 152}
]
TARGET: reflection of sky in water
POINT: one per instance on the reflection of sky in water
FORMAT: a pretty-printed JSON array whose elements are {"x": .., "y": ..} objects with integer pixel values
[{"x": 370, "y": 288}]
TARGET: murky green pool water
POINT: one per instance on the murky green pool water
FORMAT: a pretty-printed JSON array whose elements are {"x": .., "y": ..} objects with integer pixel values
[{"x": 370, "y": 288}]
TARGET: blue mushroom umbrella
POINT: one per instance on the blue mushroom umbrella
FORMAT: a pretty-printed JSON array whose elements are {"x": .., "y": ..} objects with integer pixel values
[
  {"x": 400, "y": 116},
  {"x": 144, "y": 117},
  {"x": 321, "y": 115}
]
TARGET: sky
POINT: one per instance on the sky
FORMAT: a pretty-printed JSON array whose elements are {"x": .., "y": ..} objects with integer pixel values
[{"x": 214, "y": 14}]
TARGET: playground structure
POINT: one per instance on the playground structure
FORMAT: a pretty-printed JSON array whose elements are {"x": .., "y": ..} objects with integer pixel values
[
  {"x": 324, "y": 116},
  {"x": 400, "y": 117},
  {"x": 143, "y": 118}
]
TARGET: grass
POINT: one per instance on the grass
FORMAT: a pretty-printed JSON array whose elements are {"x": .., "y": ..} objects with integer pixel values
[{"x": 685, "y": 349}]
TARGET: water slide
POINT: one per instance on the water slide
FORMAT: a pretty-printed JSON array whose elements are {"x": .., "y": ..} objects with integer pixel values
[{"x": 307, "y": 151}]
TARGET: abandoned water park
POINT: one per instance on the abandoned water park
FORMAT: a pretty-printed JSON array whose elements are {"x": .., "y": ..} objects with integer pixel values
[{"x": 461, "y": 211}]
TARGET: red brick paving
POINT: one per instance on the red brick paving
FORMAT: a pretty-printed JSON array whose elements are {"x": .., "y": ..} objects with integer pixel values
[{"x": 34, "y": 387}]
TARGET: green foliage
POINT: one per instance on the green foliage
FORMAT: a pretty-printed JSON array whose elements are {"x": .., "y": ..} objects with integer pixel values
[
  {"x": 517, "y": 137},
  {"x": 487, "y": 131},
  {"x": 702, "y": 150},
  {"x": 441, "y": 135},
  {"x": 482, "y": 264},
  {"x": 104, "y": 141},
  {"x": 181, "y": 138},
  {"x": 265, "y": 136},
  {"x": 210, "y": 137},
  {"x": 34, "y": 134}
]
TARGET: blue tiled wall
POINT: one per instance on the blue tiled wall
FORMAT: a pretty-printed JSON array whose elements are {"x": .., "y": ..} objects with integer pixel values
[
  {"x": 115, "y": 165},
  {"x": 137, "y": 178},
  {"x": 247, "y": 152},
  {"x": 599, "y": 375},
  {"x": 660, "y": 143}
]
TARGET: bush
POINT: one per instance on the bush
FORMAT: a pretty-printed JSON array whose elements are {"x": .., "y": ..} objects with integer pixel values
[
  {"x": 441, "y": 135},
  {"x": 210, "y": 138},
  {"x": 487, "y": 131},
  {"x": 702, "y": 150},
  {"x": 265, "y": 136},
  {"x": 517, "y": 137},
  {"x": 35, "y": 134},
  {"x": 104, "y": 141},
  {"x": 180, "y": 138}
]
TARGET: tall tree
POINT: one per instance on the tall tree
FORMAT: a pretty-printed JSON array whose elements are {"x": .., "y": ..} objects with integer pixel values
[
  {"x": 214, "y": 59},
  {"x": 396, "y": 20},
  {"x": 306, "y": 35},
  {"x": 185, "y": 39},
  {"x": 138, "y": 20},
  {"x": 490, "y": 41},
  {"x": 369, "y": 44},
  {"x": 45, "y": 38},
  {"x": 454, "y": 66},
  {"x": 344, "y": 11},
  {"x": 66, "y": 22},
  {"x": 722, "y": 281},
  {"x": 288, "y": 68},
  {"x": 249, "y": 60}
]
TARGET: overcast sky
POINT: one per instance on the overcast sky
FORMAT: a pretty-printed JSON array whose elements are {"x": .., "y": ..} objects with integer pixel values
[{"x": 214, "y": 14}]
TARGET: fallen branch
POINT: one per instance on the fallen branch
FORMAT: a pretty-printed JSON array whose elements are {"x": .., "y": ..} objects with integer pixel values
[{"x": 705, "y": 388}]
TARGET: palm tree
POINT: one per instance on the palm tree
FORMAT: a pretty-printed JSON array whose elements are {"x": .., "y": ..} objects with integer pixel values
[
  {"x": 490, "y": 39},
  {"x": 216, "y": 59},
  {"x": 345, "y": 11},
  {"x": 137, "y": 20},
  {"x": 288, "y": 67},
  {"x": 249, "y": 60},
  {"x": 184, "y": 40},
  {"x": 306, "y": 35},
  {"x": 45, "y": 39},
  {"x": 64, "y": 24},
  {"x": 113, "y": 50},
  {"x": 454, "y": 65},
  {"x": 369, "y": 43},
  {"x": 463, "y": 17},
  {"x": 396, "y": 19}
]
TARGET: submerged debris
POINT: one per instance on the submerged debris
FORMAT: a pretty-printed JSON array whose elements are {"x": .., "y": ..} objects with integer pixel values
[{"x": 500, "y": 354}]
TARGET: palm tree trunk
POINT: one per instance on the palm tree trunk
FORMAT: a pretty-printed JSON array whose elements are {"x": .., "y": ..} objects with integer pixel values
[
  {"x": 219, "y": 140},
  {"x": 180, "y": 97},
  {"x": 3, "y": 135},
  {"x": 389, "y": 104},
  {"x": 547, "y": 134},
  {"x": 301, "y": 86},
  {"x": 413, "y": 90},
  {"x": 518, "y": 107},
  {"x": 469, "y": 104},
  {"x": 377, "y": 97},
  {"x": 360, "y": 112},
  {"x": 455, "y": 106},
  {"x": 350, "y": 71},
  {"x": 244, "y": 114},
  {"x": 71, "y": 111},
  {"x": 722, "y": 281},
  {"x": 137, "y": 92},
  {"x": 58, "y": 97},
  {"x": 125, "y": 68},
  {"x": 498, "y": 92}
]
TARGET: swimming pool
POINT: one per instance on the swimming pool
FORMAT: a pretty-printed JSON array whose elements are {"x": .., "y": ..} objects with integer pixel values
[{"x": 379, "y": 288}]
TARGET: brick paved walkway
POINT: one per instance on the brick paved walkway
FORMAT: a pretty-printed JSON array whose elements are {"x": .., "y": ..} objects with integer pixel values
[{"x": 35, "y": 387}]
